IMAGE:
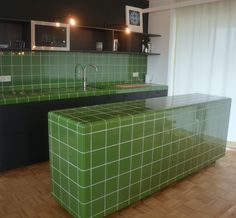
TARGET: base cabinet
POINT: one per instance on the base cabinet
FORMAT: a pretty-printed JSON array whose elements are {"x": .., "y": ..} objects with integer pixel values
[{"x": 24, "y": 127}]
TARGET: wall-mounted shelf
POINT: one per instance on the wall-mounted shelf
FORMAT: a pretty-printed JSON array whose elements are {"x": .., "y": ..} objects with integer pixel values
[
  {"x": 83, "y": 38},
  {"x": 115, "y": 52}
]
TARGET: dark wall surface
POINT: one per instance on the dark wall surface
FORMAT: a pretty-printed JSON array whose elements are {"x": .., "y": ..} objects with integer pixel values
[{"x": 89, "y": 12}]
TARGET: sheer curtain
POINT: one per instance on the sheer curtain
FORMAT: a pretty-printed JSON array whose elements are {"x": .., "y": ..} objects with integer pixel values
[{"x": 204, "y": 53}]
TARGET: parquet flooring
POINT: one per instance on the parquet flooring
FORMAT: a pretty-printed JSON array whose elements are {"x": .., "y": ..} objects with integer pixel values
[{"x": 25, "y": 193}]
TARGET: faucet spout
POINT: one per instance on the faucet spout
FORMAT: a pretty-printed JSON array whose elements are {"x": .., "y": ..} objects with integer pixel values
[{"x": 84, "y": 72}]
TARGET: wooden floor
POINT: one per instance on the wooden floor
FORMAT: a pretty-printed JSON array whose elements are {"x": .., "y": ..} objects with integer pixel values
[{"x": 25, "y": 193}]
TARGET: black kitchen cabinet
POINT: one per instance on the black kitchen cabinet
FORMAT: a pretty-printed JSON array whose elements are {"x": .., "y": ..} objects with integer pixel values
[{"x": 24, "y": 127}]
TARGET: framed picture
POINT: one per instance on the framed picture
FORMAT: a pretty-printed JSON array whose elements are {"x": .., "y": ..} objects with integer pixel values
[{"x": 134, "y": 18}]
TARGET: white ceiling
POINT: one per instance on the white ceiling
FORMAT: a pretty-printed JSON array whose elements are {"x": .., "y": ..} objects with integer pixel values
[{"x": 160, "y": 5}]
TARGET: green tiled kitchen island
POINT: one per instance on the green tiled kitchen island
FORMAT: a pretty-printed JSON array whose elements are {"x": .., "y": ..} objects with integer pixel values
[{"x": 106, "y": 157}]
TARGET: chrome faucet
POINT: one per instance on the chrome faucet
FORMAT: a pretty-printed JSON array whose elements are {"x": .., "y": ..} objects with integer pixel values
[{"x": 84, "y": 72}]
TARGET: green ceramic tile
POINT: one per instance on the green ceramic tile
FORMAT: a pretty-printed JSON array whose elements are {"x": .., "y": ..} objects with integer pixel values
[
  {"x": 98, "y": 174},
  {"x": 111, "y": 170},
  {"x": 138, "y": 130},
  {"x": 125, "y": 149},
  {"x": 123, "y": 195},
  {"x": 124, "y": 180},
  {"x": 148, "y": 143},
  {"x": 84, "y": 177},
  {"x": 98, "y": 140},
  {"x": 112, "y": 153},
  {"x": 137, "y": 146},
  {"x": 147, "y": 157},
  {"x": 97, "y": 206},
  {"x": 136, "y": 161},
  {"x": 135, "y": 189},
  {"x": 113, "y": 136},
  {"x": 83, "y": 160},
  {"x": 73, "y": 173},
  {"x": 125, "y": 165},
  {"x": 126, "y": 133},
  {"x": 111, "y": 199},
  {"x": 98, "y": 158},
  {"x": 111, "y": 185},
  {"x": 98, "y": 190}
]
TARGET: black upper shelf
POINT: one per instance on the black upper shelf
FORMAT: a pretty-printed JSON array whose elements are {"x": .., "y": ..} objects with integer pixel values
[
  {"x": 88, "y": 27},
  {"x": 115, "y": 52},
  {"x": 117, "y": 30},
  {"x": 83, "y": 38},
  {"x": 82, "y": 51}
]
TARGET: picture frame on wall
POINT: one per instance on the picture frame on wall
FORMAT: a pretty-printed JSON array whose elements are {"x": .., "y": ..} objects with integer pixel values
[{"x": 134, "y": 18}]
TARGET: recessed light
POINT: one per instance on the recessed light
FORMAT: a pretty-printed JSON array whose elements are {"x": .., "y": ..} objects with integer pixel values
[
  {"x": 72, "y": 21},
  {"x": 127, "y": 30}
]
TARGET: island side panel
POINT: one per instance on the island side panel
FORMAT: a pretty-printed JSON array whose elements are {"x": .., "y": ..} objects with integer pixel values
[
  {"x": 120, "y": 161},
  {"x": 69, "y": 155}
]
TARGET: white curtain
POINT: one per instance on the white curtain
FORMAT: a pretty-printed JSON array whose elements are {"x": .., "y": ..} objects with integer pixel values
[{"x": 204, "y": 53}]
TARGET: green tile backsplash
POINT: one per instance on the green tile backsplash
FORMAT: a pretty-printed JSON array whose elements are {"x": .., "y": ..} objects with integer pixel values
[{"x": 43, "y": 70}]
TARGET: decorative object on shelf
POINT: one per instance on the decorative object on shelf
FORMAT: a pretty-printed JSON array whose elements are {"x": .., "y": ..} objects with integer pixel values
[
  {"x": 134, "y": 19},
  {"x": 149, "y": 47},
  {"x": 115, "y": 45},
  {"x": 99, "y": 46},
  {"x": 16, "y": 44},
  {"x": 146, "y": 46},
  {"x": 143, "y": 46}
]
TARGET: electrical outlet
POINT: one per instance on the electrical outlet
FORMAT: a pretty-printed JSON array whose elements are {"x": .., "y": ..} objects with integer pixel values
[
  {"x": 5, "y": 78},
  {"x": 136, "y": 74}
]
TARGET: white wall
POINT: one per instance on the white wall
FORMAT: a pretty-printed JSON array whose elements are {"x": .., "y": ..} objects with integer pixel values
[
  {"x": 158, "y": 66},
  {"x": 159, "y": 23}
]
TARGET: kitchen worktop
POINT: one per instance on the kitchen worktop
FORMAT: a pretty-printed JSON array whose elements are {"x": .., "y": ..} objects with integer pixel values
[
  {"x": 13, "y": 97},
  {"x": 132, "y": 108},
  {"x": 106, "y": 157}
]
